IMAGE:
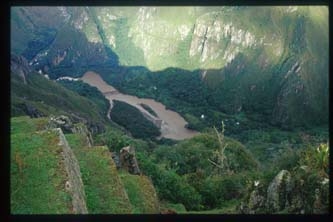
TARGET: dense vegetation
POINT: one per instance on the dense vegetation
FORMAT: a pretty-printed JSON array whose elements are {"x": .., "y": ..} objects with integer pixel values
[
  {"x": 44, "y": 39},
  {"x": 133, "y": 120},
  {"x": 182, "y": 173},
  {"x": 85, "y": 90},
  {"x": 42, "y": 97},
  {"x": 272, "y": 99}
]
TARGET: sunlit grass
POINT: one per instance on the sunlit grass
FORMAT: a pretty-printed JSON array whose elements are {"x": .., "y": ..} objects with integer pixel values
[
  {"x": 104, "y": 190},
  {"x": 37, "y": 173},
  {"x": 141, "y": 193}
]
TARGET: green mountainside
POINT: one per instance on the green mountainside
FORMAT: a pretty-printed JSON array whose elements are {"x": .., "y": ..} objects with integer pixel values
[
  {"x": 260, "y": 71},
  {"x": 183, "y": 37},
  {"x": 270, "y": 61}
]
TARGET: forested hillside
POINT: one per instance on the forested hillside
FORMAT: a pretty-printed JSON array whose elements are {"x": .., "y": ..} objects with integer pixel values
[{"x": 245, "y": 86}]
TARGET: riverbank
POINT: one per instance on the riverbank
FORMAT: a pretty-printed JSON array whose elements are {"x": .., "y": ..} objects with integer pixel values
[{"x": 171, "y": 124}]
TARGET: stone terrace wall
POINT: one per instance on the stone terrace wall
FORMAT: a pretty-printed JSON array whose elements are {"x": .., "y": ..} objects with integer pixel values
[{"x": 74, "y": 183}]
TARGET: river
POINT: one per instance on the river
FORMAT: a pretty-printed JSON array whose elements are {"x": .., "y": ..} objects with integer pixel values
[{"x": 172, "y": 125}]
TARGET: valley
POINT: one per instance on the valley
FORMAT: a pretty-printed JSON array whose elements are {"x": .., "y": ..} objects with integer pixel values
[
  {"x": 169, "y": 110},
  {"x": 171, "y": 124}
]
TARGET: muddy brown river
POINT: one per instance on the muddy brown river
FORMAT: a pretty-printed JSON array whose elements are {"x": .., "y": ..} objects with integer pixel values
[{"x": 171, "y": 124}]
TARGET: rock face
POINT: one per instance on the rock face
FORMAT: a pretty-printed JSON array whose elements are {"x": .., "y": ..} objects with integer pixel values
[
  {"x": 128, "y": 160},
  {"x": 19, "y": 66},
  {"x": 279, "y": 46},
  {"x": 285, "y": 194},
  {"x": 74, "y": 185},
  {"x": 279, "y": 192}
]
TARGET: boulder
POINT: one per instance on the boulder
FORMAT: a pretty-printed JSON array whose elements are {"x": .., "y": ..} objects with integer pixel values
[
  {"x": 62, "y": 122},
  {"x": 256, "y": 202},
  {"x": 279, "y": 192}
]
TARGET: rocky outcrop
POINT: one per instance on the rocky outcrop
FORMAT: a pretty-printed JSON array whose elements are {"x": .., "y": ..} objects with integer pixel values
[
  {"x": 288, "y": 193},
  {"x": 74, "y": 184},
  {"x": 20, "y": 66},
  {"x": 256, "y": 201},
  {"x": 286, "y": 62},
  {"x": 67, "y": 126},
  {"x": 279, "y": 192},
  {"x": 63, "y": 122},
  {"x": 31, "y": 111},
  {"x": 128, "y": 160}
]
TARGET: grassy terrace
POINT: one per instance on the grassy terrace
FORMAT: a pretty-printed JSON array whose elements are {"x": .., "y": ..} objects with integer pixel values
[
  {"x": 141, "y": 193},
  {"x": 104, "y": 190},
  {"x": 24, "y": 124},
  {"x": 38, "y": 176}
]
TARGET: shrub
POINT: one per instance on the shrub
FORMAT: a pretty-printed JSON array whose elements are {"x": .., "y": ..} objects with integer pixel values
[
  {"x": 216, "y": 190},
  {"x": 188, "y": 156},
  {"x": 287, "y": 160},
  {"x": 317, "y": 159},
  {"x": 113, "y": 139},
  {"x": 169, "y": 185}
]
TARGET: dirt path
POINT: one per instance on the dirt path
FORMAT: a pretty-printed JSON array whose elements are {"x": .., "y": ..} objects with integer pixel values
[{"x": 172, "y": 126}]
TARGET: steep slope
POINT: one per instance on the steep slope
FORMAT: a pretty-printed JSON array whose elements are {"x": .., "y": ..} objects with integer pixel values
[
  {"x": 109, "y": 191},
  {"x": 41, "y": 171},
  {"x": 57, "y": 47},
  {"x": 43, "y": 97},
  {"x": 270, "y": 61},
  {"x": 141, "y": 193},
  {"x": 262, "y": 70},
  {"x": 28, "y": 24},
  {"x": 104, "y": 189},
  {"x": 198, "y": 37},
  {"x": 56, "y": 173}
]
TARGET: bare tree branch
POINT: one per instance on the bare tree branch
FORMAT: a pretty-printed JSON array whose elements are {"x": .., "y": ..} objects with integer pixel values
[
  {"x": 221, "y": 167},
  {"x": 221, "y": 160}
]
